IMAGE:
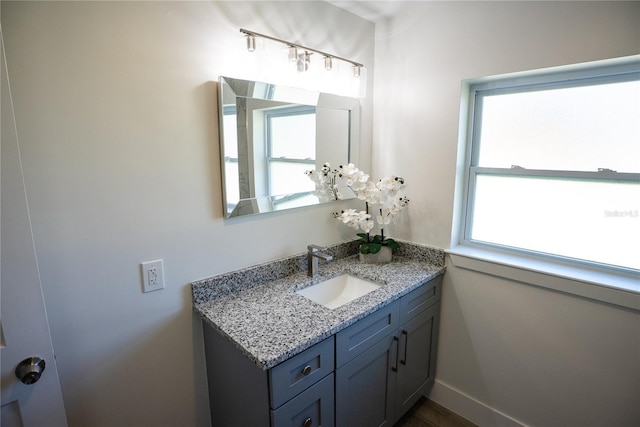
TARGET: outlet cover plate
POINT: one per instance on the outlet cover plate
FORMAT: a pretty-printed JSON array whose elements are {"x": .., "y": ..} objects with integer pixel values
[{"x": 152, "y": 275}]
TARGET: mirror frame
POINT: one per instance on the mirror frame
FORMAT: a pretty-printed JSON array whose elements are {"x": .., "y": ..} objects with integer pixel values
[{"x": 232, "y": 88}]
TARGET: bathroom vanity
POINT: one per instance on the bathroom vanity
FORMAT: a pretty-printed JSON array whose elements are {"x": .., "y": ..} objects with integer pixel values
[{"x": 275, "y": 358}]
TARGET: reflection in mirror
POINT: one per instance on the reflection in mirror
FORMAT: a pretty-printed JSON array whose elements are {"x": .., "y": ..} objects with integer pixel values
[{"x": 271, "y": 134}]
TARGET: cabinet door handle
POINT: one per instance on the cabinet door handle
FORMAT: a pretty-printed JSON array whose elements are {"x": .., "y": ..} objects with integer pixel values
[
  {"x": 406, "y": 339},
  {"x": 394, "y": 365},
  {"x": 306, "y": 370},
  {"x": 308, "y": 422}
]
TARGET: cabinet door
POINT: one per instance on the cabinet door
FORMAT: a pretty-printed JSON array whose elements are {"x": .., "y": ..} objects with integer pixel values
[
  {"x": 416, "y": 357},
  {"x": 365, "y": 386}
]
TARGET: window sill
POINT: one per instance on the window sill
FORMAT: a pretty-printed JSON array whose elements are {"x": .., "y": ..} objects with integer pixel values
[{"x": 618, "y": 289}]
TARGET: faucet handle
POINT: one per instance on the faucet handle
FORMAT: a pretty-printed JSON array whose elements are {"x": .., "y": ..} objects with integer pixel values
[{"x": 315, "y": 248}]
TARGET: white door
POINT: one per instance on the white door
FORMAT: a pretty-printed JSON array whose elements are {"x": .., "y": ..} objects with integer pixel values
[{"x": 24, "y": 330}]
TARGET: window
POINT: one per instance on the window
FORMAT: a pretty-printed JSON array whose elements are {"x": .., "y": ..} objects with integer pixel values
[
  {"x": 553, "y": 165},
  {"x": 291, "y": 148}
]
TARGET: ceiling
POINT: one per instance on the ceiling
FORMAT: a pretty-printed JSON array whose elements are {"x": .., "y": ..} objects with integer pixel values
[{"x": 374, "y": 11}]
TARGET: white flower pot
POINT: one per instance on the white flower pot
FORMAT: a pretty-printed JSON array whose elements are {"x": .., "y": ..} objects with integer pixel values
[{"x": 381, "y": 257}]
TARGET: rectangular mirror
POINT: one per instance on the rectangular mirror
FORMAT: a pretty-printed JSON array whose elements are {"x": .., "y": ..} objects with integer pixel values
[{"x": 271, "y": 134}]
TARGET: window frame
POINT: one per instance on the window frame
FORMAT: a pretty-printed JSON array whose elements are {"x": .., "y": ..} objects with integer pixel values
[
  {"x": 297, "y": 110},
  {"x": 468, "y": 252}
]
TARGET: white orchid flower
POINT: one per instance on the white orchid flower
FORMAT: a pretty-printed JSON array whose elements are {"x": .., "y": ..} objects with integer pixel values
[
  {"x": 360, "y": 176},
  {"x": 358, "y": 186},
  {"x": 385, "y": 183},
  {"x": 383, "y": 219},
  {"x": 350, "y": 169},
  {"x": 363, "y": 216},
  {"x": 386, "y": 194},
  {"x": 367, "y": 226}
]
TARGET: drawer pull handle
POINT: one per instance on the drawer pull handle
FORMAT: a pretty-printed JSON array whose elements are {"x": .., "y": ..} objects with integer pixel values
[
  {"x": 308, "y": 422},
  {"x": 306, "y": 371},
  {"x": 406, "y": 339},
  {"x": 396, "y": 342}
]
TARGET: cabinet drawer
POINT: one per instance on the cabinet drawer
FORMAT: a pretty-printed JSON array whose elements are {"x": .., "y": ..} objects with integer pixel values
[
  {"x": 314, "y": 407},
  {"x": 355, "y": 339},
  {"x": 418, "y": 300},
  {"x": 301, "y": 371}
]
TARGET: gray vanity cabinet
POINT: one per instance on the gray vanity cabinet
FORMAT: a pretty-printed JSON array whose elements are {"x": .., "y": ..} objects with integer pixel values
[
  {"x": 368, "y": 374},
  {"x": 389, "y": 374}
]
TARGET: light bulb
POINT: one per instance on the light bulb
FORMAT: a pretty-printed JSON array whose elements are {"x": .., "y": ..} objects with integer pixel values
[
  {"x": 251, "y": 43},
  {"x": 328, "y": 63},
  {"x": 293, "y": 54}
]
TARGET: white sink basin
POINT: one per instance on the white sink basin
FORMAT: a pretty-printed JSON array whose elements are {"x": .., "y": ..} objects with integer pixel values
[{"x": 338, "y": 291}]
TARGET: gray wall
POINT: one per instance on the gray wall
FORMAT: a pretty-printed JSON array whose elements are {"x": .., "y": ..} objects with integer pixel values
[
  {"x": 509, "y": 352},
  {"x": 116, "y": 110}
]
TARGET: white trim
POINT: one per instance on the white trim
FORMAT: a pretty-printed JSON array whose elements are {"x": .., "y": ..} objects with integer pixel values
[
  {"x": 606, "y": 286},
  {"x": 472, "y": 409}
]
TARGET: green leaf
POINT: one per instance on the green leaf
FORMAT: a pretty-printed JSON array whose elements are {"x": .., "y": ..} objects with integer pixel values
[
  {"x": 392, "y": 243},
  {"x": 363, "y": 236},
  {"x": 374, "y": 248}
]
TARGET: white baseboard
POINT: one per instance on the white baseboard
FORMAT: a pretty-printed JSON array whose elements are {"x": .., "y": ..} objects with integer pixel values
[{"x": 466, "y": 406}]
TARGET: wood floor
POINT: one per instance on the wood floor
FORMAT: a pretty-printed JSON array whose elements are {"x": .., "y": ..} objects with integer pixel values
[{"x": 427, "y": 413}]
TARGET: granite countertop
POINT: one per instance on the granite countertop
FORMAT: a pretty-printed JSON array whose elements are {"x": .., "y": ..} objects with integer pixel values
[{"x": 258, "y": 310}]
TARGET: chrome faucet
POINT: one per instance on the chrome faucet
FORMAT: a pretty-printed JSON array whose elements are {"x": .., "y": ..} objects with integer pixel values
[{"x": 312, "y": 258}]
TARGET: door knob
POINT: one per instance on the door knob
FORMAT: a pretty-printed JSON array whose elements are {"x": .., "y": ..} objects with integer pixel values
[{"x": 30, "y": 369}]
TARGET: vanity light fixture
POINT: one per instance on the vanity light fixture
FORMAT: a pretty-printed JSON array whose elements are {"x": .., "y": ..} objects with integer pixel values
[{"x": 302, "y": 59}]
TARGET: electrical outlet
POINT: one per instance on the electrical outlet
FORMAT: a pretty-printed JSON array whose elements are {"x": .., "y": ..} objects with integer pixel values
[{"x": 152, "y": 275}]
